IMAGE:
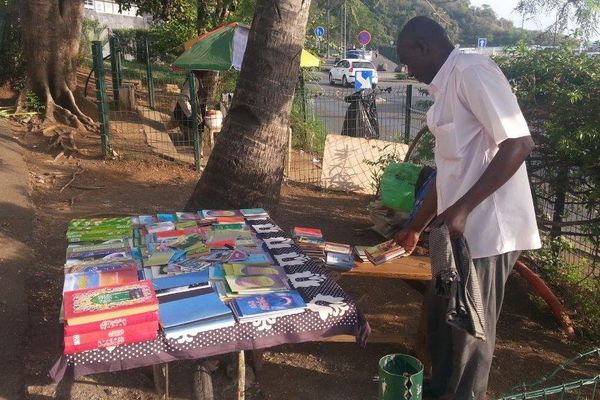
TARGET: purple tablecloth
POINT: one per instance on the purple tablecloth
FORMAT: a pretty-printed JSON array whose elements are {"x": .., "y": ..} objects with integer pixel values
[{"x": 330, "y": 312}]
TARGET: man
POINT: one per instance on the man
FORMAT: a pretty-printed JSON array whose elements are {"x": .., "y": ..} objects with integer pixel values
[
  {"x": 182, "y": 113},
  {"x": 481, "y": 191}
]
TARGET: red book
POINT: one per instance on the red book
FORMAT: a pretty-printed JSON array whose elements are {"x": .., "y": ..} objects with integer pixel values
[
  {"x": 114, "y": 323},
  {"x": 170, "y": 234},
  {"x": 109, "y": 302},
  {"x": 313, "y": 232},
  {"x": 230, "y": 220},
  {"x": 106, "y": 335},
  {"x": 113, "y": 341},
  {"x": 219, "y": 244}
]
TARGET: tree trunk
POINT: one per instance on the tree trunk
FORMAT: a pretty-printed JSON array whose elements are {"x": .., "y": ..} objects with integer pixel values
[
  {"x": 51, "y": 31},
  {"x": 245, "y": 168}
]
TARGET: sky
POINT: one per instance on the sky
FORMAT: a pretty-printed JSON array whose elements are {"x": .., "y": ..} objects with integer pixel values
[{"x": 504, "y": 9}]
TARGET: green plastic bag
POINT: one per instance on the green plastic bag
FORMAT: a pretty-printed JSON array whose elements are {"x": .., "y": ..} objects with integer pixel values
[{"x": 398, "y": 185}]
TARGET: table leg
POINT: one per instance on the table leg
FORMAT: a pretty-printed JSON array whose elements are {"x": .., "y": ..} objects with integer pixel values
[
  {"x": 241, "y": 385},
  {"x": 202, "y": 384},
  {"x": 160, "y": 375}
]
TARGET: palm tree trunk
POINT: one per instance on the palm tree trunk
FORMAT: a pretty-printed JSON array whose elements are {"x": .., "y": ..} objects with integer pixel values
[{"x": 246, "y": 165}]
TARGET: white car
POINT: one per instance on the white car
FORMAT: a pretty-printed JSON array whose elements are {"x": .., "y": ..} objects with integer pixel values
[{"x": 344, "y": 71}]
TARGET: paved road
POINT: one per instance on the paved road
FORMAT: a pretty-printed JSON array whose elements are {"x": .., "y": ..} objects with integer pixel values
[{"x": 327, "y": 103}]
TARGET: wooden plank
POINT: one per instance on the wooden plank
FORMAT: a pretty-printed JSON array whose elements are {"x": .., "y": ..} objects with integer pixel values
[
  {"x": 408, "y": 268},
  {"x": 374, "y": 337}
]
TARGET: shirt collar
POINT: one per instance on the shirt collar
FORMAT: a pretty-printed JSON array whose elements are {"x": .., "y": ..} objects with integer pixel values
[{"x": 441, "y": 78}]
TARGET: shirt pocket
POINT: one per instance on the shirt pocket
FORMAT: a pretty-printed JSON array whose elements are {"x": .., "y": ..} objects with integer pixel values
[{"x": 446, "y": 141}]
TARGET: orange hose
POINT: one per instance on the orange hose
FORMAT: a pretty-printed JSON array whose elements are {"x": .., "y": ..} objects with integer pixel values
[{"x": 550, "y": 298}]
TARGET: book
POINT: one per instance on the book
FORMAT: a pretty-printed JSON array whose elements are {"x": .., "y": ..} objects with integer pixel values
[
  {"x": 228, "y": 226},
  {"x": 359, "y": 252},
  {"x": 187, "y": 307},
  {"x": 98, "y": 254},
  {"x": 101, "y": 265},
  {"x": 187, "y": 216},
  {"x": 193, "y": 328},
  {"x": 383, "y": 252},
  {"x": 165, "y": 217},
  {"x": 254, "y": 212},
  {"x": 158, "y": 258},
  {"x": 250, "y": 270},
  {"x": 220, "y": 213},
  {"x": 172, "y": 281},
  {"x": 80, "y": 338},
  {"x": 107, "y": 324},
  {"x": 309, "y": 232},
  {"x": 112, "y": 342},
  {"x": 109, "y": 302},
  {"x": 261, "y": 258},
  {"x": 88, "y": 223},
  {"x": 230, "y": 220},
  {"x": 94, "y": 279},
  {"x": 250, "y": 308},
  {"x": 255, "y": 284},
  {"x": 339, "y": 261},
  {"x": 338, "y": 248}
]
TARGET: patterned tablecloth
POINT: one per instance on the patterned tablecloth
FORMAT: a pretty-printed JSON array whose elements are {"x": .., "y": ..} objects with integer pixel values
[{"x": 330, "y": 312}]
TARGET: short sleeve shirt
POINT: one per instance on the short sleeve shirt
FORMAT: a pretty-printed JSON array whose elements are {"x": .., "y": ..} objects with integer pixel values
[{"x": 474, "y": 111}]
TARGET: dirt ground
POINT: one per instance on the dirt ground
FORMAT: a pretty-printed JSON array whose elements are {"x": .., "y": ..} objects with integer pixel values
[{"x": 529, "y": 342}]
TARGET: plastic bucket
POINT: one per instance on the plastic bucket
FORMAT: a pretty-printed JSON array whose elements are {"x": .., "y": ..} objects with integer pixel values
[{"x": 400, "y": 377}]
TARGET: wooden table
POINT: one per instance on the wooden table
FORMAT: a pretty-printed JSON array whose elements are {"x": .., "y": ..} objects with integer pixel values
[{"x": 416, "y": 272}]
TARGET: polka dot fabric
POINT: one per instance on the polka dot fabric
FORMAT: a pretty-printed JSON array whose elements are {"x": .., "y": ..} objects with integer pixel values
[{"x": 330, "y": 312}]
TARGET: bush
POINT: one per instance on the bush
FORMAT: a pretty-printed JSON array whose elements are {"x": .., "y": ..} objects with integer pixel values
[
  {"x": 12, "y": 63},
  {"x": 308, "y": 134}
]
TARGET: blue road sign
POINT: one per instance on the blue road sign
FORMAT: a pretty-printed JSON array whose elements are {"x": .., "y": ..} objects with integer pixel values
[
  {"x": 363, "y": 80},
  {"x": 482, "y": 42},
  {"x": 319, "y": 31}
]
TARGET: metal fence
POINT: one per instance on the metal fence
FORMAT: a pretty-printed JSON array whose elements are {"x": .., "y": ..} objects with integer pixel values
[{"x": 138, "y": 106}]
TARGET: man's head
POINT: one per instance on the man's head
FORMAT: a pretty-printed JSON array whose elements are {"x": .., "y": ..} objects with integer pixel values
[{"x": 423, "y": 46}]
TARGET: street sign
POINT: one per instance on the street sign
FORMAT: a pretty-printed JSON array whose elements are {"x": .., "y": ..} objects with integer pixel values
[
  {"x": 482, "y": 42},
  {"x": 319, "y": 31},
  {"x": 363, "y": 80},
  {"x": 364, "y": 37}
]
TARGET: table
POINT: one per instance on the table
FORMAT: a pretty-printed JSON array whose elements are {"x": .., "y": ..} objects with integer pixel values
[{"x": 330, "y": 312}]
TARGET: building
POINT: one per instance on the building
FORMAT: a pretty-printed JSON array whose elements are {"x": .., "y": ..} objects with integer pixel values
[{"x": 107, "y": 13}]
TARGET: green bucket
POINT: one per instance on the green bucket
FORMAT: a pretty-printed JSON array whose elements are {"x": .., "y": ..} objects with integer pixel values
[{"x": 400, "y": 377}]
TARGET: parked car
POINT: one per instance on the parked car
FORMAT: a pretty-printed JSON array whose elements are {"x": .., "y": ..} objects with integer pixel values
[
  {"x": 359, "y": 54},
  {"x": 345, "y": 70}
]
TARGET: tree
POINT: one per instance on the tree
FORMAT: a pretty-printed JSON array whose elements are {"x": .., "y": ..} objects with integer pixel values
[
  {"x": 51, "y": 30},
  {"x": 246, "y": 166},
  {"x": 586, "y": 13}
]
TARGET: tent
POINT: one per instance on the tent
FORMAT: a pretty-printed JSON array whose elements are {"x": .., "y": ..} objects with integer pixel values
[{"x": 223, "y": 49}]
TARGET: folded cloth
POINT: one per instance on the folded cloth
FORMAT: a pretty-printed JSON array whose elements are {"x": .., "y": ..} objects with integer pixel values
[{"x": 455, "y": 277}]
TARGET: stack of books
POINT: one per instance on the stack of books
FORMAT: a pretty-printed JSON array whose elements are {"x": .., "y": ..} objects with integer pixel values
[
  {"x": 384, "y": 252},
  {"x": 311, "y": 241},
  {"x": 109, "y": 316},
  {"x": 339, "y": 256},
  {"x": 359, "y": 253}
]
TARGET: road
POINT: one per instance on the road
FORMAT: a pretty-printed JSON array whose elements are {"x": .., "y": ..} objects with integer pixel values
[{"x": 327, "y": 103}]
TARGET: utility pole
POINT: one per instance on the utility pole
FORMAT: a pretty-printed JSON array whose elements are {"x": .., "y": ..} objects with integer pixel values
[
  {"x": 327, "y": 31},
  {"x": 345, "y": 31}
]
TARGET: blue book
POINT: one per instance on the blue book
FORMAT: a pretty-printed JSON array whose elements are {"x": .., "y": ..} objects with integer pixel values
[
  {"x": 339, "y": 261},
  {"x": 193, "y": 328},
  {"x": 192, "y": 306},
  {"x": 166, "y": 217},
  {"x": 249, "y": 308},
  {"x": 172, "y": 281}
]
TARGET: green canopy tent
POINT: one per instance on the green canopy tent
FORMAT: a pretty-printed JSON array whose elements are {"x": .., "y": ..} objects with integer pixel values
[{"x": 223, "y": 49}]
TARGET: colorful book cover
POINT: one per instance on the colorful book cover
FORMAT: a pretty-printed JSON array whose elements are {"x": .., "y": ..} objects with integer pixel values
[
  {"x": 339, "y": 261},
  {"x": 259, "y": 305},
  {"x": 221, "y": 213},
  {"x": 254, "y": 212},
  {"x": 217, "y": 255},
  {"x": 110, "y": 244},
  {"x": 216, "y": 272},
  {"x": 255, "y": 283},
  {"x": 359, "y": 252},
  {"x": 309, "y": 232},
  {"x": 338, "y": 248},
  {"x": 101, "y": 265},
  {"x": 86, "y": 223},
  {"x": 186, "y": 307},
  {"x": 228, "y": 226},
  {"x": 250, "y": 270},
  {"x": 146, "y": 220},
  {"x": 80, "y": 338},
  {"x": 185, "y": 224},
  {"x": 383, "y": 252},
  {"x": 261, "y": 258},
  {"x": 163, "y": 226},
  {"x": 113, "y": 341},
  {"x": 171, "y": 281},
  {"x": 114, "y": 323},
  {"x": 237, "y": 255},
  {"x": 158, "y": 258},
  {"x": 107, "y": 302},
  {"x": 230, "y": 220},
  {"x": 187, "y": 216},
  {"x": 193, "y": 328},
  {"x": 166, "y": 217},
  {"x": 98, "y": 253},
  {"x": 88, "y": 280}
]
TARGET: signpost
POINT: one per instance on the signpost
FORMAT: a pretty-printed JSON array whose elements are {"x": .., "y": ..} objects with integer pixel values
[
  {"x": 481, "y": 43},
  {"x": 364, "y": 37},
  {"x": 363, "y": 80},
  {"x": 319, "y": 32}
]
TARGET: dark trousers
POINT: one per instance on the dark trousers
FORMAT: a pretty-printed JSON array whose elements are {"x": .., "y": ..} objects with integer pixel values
[{"x": 460, "y": 363}]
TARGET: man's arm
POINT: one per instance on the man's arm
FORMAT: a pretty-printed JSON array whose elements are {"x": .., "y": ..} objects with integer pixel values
[
  {"x": 511, "y": 154},
  {"x": 409, "y": 235}
]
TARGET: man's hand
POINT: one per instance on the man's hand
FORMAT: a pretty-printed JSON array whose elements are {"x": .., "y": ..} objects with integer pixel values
[
  {"x": 407, "y": 238},
  {"x": 455, "y": 218}
]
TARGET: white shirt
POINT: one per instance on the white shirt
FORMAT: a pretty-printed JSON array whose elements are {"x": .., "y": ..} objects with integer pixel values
[
  {"x": 185, "y": 98},
  {"x": 474, "y": 111}
]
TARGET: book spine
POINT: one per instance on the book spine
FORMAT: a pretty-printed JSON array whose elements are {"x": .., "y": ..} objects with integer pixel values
[
  {"x": 109, "y": 324},
  {"x": 106, "y": 335},
  {"x": 110, "y": 342}
]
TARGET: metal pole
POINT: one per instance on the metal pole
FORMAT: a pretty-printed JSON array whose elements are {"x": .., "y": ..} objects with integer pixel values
[
  {"x": 303, "y": 94},
  {"x": 149, "y": 75},
  {"x": 195, "y": 133},
  {"x": 114, "y": 66},
  {"x": 345, "y": 31},
  {"x": 327, "y": 31},
  {"x": 101, "y": 96},
  {"x": 407, "y": 116}
]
